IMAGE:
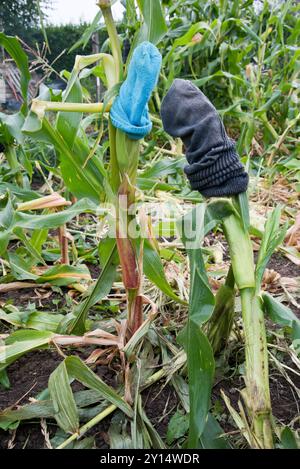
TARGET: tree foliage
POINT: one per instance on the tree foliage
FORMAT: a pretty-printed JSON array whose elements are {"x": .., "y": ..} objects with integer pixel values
[{"x": 19, "y": 15}]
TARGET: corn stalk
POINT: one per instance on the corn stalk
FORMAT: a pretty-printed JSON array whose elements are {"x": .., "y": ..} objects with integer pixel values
[
  {"x": 257, "y": 392},
  {"x": 10, "y": 153},
  {"x": 124, "y": 163},
  {"x": 221, "y": 321},
  {"x": 124, "y": 155}
]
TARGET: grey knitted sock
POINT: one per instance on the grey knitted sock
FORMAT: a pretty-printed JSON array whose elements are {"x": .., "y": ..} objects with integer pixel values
[{"x": 214, "y": 167}]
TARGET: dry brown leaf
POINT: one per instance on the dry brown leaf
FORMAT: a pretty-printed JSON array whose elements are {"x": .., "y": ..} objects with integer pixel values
[
  {"x": 95, "y": 356},
  {"x": 293, "y": 234},
  {"x": 292, "y": 284},
  {"x": 7, "y": 287},
  {"x": 53, "y": 200},
  {"x": 271, "y": 280}
]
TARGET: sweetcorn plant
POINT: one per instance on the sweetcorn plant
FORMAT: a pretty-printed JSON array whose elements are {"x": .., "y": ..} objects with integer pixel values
[{"x": 210, "y": 318}]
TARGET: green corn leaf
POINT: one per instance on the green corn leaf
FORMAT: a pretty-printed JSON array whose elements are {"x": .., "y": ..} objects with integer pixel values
[
  {"x": 244, "y": 26},
  {"x": 63, "y": 400},
  {"x": 6, "y": 213},
  {"x": 147, "y": 184},
  {"x": 10, "y": 127},
  {"x": 83, "y": 178},
  {"x": 6, "y": 222},
  {"x": 221, "y": 321},
  {"x": 162, "y": 168},
  {"x": 281, "y": 314},
  {"x": 38, "y": 410},
  {"x": 101, "y": 288},
  {"x": 42, "y": 321},
  {"x": 37, "y": 320},
  {"x": 177, "y": 427},
  {"x": 38, "y": 238},
  {"x": 31, "y": 249},
  {"x": 211, "y": 437},
  {"x": 23, "y": 195},
  {"x": 154, "y": 26},
  {"x": 62, "y": 275},
  {"x": 67, "y": 123},
  {"x": 42, "y": 408},
  {"x": 188, "y": 36},
  {"x": 81, "y": 372},
  {"x": 90, "y": 30},
  {"x": 201, "y": 368},
  {"x": 200, "y": 358},
  {"x": 154, "y": 271},
  {"x": 11, "y": 221},
  {"x": 53, "y": 220},
  {"x": 289, "y": 439},
  {"x": 20, "y": 343},
  {"x": 263, "y": 109},
  {"x": 20, "y": 267},
  {"x": 22, "y": 335},
  {"x": 131, "y": 16},
  {"x": 248, "y": 30},
  {"x": 273, "y": 236},
  {"x": 4, "y": 240},
  {"x": 220, "y": 73},
  {"x": 13, "y": 47},
  {"x": 240, "y": 201},
  {"x": 4, "y": 380},
  {"x": 215, "y": 213}
]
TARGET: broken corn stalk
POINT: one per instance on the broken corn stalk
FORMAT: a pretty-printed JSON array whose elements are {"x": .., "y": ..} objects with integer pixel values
[{"x": 257, "y": 394}]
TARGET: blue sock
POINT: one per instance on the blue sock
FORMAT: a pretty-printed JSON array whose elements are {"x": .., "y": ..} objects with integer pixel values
[{"x": 129, "y": 111}]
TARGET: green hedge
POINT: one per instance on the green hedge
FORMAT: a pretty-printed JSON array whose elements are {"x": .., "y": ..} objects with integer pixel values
[{"x": 61, "y": 38}]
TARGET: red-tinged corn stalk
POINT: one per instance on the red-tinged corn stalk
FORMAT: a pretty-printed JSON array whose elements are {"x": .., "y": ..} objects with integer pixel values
[
  {"x": 130, "y": 258},
  {"x": 124, "y": 162}
]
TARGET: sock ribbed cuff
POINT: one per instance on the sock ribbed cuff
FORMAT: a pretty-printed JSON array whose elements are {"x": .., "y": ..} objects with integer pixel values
[{"x": 224, "y": 175}]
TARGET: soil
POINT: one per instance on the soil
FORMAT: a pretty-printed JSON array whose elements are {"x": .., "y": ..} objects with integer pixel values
[
  {"x": 94, "y": 269},
  {"x": 285, "y": 401},
  {"x": 278, "y": 262},
  {"x": 283, "y": 266},
  {"x": 24, "y": 296},
  {"x": 29, "y": 376},
  {"x": 159, "y": 403},
  {"x": 21, "y": 298}
]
